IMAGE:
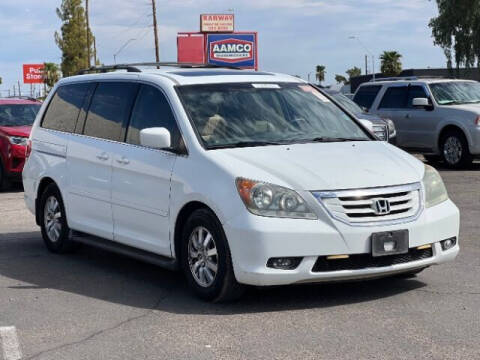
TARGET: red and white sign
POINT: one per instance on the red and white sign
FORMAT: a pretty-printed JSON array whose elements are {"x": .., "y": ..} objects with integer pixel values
[
  {"x": 231, "y": 50},
  {"x": 33, "y": 73},
  {"x": 217, "y": 22}
]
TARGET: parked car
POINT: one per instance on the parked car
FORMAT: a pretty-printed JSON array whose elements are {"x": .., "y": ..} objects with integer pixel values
[
  {"x": 236, "y": 177},
  {"x": 384, "y": 129},
  {"x": 436, "y": 117},
  {"x": 16, "y": 118}
]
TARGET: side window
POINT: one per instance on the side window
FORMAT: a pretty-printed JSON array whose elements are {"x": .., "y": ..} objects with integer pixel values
[
  {"x": 366, "y": 95},
  {"x": 395, "y": 98},
  {"x": 151, "y": 110},
  {"x": 63, "y": 110},
  {"x": 415, "y": 91},
  {"x": 110, "y": 109}
]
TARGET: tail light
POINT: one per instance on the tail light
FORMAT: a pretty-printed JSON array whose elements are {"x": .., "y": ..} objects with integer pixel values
[
  {"x": 28, "y": 148},
  {"x": 477, "y": 121}
]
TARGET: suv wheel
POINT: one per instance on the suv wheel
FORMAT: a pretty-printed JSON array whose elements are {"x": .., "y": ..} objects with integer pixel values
[
  {"x": 206, "y": 259},
  {"x": 55, "y": 231},
  {"x": 454, "y": 148}
]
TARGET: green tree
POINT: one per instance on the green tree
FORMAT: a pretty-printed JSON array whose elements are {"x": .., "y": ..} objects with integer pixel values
[
  {"x": 72, "y": 39},
  {"x": 353, "y": 72},
  {"x": 51, "y": 74},
  {"x": 320, "y": 73},
  {"x": 340, "y": 79},
  {"x": 456, "y": 30},
  {"x": 391, "y": 64}
]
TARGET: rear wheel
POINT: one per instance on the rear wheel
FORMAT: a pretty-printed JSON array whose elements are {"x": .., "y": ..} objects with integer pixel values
[
  {"x": 454, "y": 148},
  {"x": 206, "y": 259},
  {"x": 55, "y": 231},
  {"x": 4, "y": 181}
]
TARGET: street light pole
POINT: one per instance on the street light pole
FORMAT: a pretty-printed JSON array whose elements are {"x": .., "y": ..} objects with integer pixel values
[
  {"x": 121, "y": 48},
  {"x": 368, "y": 51}
]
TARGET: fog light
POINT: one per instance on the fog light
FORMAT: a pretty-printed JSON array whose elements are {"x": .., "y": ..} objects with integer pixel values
[
  {"x": 449, "y": 243},
  {"x": 284, "y": 263}
]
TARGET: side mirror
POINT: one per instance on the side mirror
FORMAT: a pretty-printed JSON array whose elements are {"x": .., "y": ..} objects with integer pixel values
[
  {"x": 157, "y": 138},
  {"x": 420, "y": 103}
]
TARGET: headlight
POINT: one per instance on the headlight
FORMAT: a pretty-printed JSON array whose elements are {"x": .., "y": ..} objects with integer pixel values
[
  {"x": 435, "y": 191},
  {"x": 272, "y": 200},
  {"x": 18, "y": 140},
  {"x": 392, "y": 132}
]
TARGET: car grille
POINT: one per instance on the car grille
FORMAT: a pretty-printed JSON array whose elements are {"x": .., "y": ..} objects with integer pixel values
[
  {"x": 360, "y": 207},
  {"x": 363, "y": 261},
  {"x": 381, "y": 131}
]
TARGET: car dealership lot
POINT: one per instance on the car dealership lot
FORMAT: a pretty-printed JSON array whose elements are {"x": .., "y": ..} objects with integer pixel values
[{"x": 94, "y": 304}]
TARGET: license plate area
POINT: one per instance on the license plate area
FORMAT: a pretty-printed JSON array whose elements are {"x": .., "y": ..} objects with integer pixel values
[{"x": 390, "y": 243}]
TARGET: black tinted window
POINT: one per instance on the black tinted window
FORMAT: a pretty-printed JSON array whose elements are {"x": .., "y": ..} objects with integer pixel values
[
  {"x": 415, "y": 91},
  {"x": 110, "y": 109},
  {"x": 366, "y": 95},
  {"x": 151, "y": 110},
  {"x": 395, "y": 98},
  {"x": 63, "y": 110}
]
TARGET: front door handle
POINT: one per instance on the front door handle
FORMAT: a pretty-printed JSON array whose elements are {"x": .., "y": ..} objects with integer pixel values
[
  {"x": 103, "y": 156},
  {"x": 123, "y": 160},
  {"x": 408, "y": 116}
]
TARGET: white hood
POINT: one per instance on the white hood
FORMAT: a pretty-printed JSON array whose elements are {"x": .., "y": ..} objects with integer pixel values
[{"x": 324, "y": 166}]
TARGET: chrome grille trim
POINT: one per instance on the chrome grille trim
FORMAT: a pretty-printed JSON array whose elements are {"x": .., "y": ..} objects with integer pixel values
[{"x": 354, "y": 206}]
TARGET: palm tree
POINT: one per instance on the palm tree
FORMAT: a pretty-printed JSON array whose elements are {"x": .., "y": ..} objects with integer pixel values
[
  {"x": 320, "y": 73},
  {"x": 391, "y": 64},
  {"x": 51, "y": 74}
]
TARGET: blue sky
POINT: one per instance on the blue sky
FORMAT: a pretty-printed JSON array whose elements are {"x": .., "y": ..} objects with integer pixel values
[{"x": 294, "y": 35}]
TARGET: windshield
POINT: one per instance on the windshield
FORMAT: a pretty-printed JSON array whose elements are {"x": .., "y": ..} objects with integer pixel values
[
  {"x": 456, "y": 92},
  {"x": 18, "y": 114},
  {"x": 347, "y": 103},
  {"x": 252, "y": 114}
]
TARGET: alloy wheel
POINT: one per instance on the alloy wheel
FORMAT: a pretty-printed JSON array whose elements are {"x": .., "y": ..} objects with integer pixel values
[
  {"x": 452, "y": 150},
  {"x": 52, "y": 218},
  {"x": 202, "y": 256}
]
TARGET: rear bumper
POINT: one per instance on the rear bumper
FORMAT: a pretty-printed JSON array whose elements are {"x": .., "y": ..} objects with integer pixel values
[{"x": 253, "y": 240}]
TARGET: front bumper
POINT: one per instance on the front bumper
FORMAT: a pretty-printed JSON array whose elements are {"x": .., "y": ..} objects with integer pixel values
[{"x": 254, "y": 239}]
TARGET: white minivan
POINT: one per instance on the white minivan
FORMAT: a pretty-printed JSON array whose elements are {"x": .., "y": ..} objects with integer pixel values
[{"x": 236, "y": 177}]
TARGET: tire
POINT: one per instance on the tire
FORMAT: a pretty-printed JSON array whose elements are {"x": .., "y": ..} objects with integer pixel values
[
  {"x": 4, "y": 181},
  {"x": 53, "y": 222},
  {"x": 432, "y": 159},
  {"x": 454, "y": 150},
  {"x": 208, "y": 269}
]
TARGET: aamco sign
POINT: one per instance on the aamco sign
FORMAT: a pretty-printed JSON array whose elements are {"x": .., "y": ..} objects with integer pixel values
[
  {"x": 233, "y": 49},
  {"x": 33, "y": 73}
]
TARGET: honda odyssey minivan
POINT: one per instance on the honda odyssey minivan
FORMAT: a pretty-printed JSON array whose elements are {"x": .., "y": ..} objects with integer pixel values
[{"x": 235, "y": 177}]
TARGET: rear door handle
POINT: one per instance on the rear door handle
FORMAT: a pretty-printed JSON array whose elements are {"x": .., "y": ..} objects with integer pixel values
[
  {"x": 103, "y": 156},
  {"x": 123, "y": 160}
]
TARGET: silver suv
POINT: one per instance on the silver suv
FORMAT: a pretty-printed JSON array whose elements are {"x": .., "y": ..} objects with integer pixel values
[{"x": 439, "y": 118}]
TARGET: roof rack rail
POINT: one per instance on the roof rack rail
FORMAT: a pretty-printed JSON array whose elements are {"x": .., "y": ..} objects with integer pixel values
[
  {"x": 406, "y": 78},
  {"x": 134, "y": 67}
]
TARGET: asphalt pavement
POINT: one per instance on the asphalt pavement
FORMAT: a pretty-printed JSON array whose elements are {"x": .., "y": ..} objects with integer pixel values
[{"x": 98, "y": 305}]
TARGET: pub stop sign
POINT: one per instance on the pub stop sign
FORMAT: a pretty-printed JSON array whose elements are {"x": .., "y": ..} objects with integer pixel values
[{"x": 232, "y": 50}]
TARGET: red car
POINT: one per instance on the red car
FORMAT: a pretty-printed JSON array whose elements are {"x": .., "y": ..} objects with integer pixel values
[{"x": 16, "y": 119}]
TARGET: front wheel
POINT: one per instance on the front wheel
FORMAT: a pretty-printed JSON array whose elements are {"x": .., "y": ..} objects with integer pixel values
[
  {"x": 455, "y": 152},
  {"x": 206, "y": 259}
]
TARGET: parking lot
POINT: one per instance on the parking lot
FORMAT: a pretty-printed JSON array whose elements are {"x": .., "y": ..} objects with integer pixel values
[{"x": 95, "y": 305}]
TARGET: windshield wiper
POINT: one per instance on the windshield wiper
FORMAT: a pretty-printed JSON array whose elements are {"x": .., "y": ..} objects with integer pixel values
[
  {"x": 245, "y": 144},
  {"x": 334, "y": 139},
  {"x": 452, "y": 102}
]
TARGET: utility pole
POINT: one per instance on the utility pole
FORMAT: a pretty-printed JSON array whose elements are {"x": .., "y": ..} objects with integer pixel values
[
  {"x": 366, "y": 64},
  {"x": 88, "y": 33},
  {"x": 154, "y": 11},
  {"x": 19, "y": 90},
  {"x": 94, "y": 52}
]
